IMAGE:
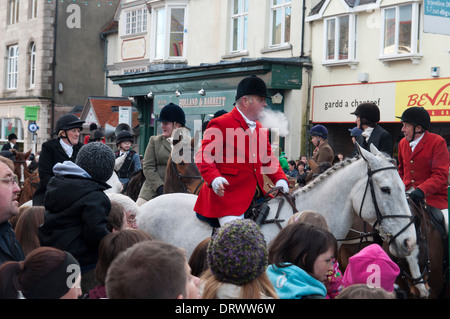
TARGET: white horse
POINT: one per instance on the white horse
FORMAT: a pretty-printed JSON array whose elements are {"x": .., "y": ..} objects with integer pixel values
[{"x": 369, "y": 186}]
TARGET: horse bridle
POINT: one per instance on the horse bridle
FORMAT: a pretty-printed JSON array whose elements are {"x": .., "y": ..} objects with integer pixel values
[
  {"x": 380, "y": 217},
  {"x": 181, "y": 176}
]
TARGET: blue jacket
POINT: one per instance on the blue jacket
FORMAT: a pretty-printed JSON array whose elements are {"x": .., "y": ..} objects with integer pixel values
[{"x": 292, "y": 282}]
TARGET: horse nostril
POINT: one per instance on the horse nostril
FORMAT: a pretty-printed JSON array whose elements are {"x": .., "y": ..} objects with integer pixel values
[{"x": 409, "y": 244}]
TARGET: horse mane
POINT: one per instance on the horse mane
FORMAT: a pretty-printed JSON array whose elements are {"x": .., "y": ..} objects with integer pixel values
[{"x": 336, "y": 167}]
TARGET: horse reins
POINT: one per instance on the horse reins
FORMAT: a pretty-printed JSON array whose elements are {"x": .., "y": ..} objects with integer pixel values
[
  {"x": 380, "y": 217},
  {"x": 181, "y": 176}
]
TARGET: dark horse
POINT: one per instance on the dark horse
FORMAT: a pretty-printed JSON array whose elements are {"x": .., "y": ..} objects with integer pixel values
[
  {"x": 182, "y": 174},
  {"x": 428, "y": 262}
]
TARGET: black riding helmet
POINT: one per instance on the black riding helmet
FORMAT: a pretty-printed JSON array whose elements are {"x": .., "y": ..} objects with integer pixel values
[
  {"x": 172, "y": 113},
  {"x": 368, "y": 111},
  {"x": 68, "y": 122},
  {"x": 416, "y": 115},
  {"x": 96, "y": 136},
  {"x": 124, "y": 136}
]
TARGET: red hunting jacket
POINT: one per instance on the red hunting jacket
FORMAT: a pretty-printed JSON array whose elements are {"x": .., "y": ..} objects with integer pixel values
[
  {"x": 426, "y": 168},
  {"x": 229, "y": 149}
]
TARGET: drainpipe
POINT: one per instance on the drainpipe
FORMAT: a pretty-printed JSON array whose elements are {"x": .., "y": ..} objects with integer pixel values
[
  {"x": 302, "y": 53},
  {"x": 55, "y": 27},
  {"x": 105, "y": 62}
]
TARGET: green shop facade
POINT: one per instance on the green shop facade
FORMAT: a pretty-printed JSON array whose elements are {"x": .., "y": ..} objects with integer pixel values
[{"x": 203, "y": 90}]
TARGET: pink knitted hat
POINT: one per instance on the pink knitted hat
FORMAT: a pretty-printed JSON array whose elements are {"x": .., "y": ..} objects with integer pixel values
[{"x": 373, "y": 267}]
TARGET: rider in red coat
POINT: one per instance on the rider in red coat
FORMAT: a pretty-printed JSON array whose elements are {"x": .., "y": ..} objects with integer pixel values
[
  {"x": 234, "y": 155},
  {"x": 423, "y": 160}
]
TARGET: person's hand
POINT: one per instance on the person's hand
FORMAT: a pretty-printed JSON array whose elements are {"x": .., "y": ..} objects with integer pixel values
[
  {"x": 218, "y": 185},
  {"x": 417, "y": 195},
  {"x": 284, "y": 185}
]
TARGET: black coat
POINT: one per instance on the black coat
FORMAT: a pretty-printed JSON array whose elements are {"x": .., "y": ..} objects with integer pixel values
[
  {"x": 7, "y": 147},
  {"x": 10, "y": 249},
  {"x": 76, "y": 212},
  {"x": 380, "y": 138},
  {"x": 51, "y": 154}
]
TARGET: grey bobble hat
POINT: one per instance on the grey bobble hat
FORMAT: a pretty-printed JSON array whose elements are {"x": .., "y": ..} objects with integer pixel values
[
  {"x": 97, "y": 159},
  {"x": 237, "y": 252}
]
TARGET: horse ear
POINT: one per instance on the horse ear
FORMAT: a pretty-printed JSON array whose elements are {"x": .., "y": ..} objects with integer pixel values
[
  {"x": 374, "y": 150},
  {"x": 364, "y": 154}
]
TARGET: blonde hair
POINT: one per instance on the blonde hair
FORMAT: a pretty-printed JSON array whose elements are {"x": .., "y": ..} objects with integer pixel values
[
  {"x": 8, "y": 162},
  {"x": 255, "y": 289},
  {"x": 309, "y": 217}
]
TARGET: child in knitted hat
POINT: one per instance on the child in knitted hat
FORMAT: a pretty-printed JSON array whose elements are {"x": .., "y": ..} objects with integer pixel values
[
  {"x": 373, "y": 267},
  {"x": 76, "y": 205},
  {"x": 237, "y": 260}
]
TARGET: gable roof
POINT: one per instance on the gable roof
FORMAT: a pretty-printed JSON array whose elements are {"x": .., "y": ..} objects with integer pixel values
[{"x": 106, "y": 110}]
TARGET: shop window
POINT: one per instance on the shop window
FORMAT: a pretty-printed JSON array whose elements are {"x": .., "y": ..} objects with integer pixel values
[
  {"x": 11, "y": 125},
  {"x": 400, "y": 32},
  {"x": 12, "y": 73},
  {"x": 280, "y": 22},
  {"x": 340, "y": 40},
  {"x": 239, "y": 25},
  {"x": 170, "y": 27}
]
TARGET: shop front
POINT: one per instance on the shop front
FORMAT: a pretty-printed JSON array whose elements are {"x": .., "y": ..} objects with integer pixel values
[
  {"x": 333, "y": 104},
  {"x": 203, "y": 90}
]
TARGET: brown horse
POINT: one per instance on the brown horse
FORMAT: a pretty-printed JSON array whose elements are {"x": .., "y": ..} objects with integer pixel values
[
  {"x": 431, "y": 261},
  {"x": 20, "y": 165},
  {"x": 29, "y": 186},
  {"x": 182, "y": 174}
]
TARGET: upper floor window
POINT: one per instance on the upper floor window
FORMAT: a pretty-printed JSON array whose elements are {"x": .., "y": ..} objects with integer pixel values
[
  {"x": 340, "y": 38},
  {"x": 239, "y": 23},
  {"x": 12, "y": 73},
  {"x": 170, "y": 27},
  {"x": 280, "y": 22},
  {"x": 400, "y": 34},
  {"x": 13, "y": 11},
  {"x": 33, "y": 8},
  {"x": 136, "y": 21},
  {"x": 32, "y": 64}
]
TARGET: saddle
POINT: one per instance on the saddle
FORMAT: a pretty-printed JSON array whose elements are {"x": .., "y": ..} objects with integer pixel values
[{"x": 437, "y": 219}]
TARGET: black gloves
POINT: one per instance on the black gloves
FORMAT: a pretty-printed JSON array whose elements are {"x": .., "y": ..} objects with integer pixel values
[{"x": 417, "y": 195}]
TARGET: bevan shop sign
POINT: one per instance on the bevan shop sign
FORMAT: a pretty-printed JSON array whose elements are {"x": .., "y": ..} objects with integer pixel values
[{"x": 334, "y": 103}]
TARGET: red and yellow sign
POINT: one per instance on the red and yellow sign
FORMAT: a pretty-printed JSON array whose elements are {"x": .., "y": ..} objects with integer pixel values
[{"x": 433, "y": 95}]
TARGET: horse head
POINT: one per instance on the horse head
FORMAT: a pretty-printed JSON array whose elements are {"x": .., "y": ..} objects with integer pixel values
[
  {"x": 182, "y": 174},
  {"x": 384, "y": 203}
]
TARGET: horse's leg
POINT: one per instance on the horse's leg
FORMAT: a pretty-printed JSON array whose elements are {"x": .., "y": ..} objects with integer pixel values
[{"x": 414, "y": 269}]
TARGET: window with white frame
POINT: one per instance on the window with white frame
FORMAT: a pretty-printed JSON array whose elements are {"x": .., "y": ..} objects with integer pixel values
[
  {"x": 12, "y": 73},
  {"x": 32, "y": 74},
  {"x": 169, "y": 29},
  {"x": 34, "y": 7},
  {"x": 13, "y": 11},
  {"x": 239, "y": 25},
  {"x": 280, "y": 22},
  {"x": 400, "y": 34},
  {"x": 11, "y": 125},
  {"x": 136, "y": 21},
  {"x": 340, "y": 38}
]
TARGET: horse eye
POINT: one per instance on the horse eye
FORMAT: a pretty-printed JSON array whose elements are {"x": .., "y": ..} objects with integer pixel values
[{"x": 386, "y": 190}]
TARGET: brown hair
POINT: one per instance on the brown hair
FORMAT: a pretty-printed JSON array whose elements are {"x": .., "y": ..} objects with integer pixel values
[
  {"x": 309, "y": 217},
  {"x": 8, "y": 162},
  {"x": 300, "y": 244},
  {"x": 27, "y": 228},
  {"x": 255, "y": 289},
  {"x": 24, "y": 275},
  {"x": 362, "y": 291},
  {"x": 198, "y": 261},
  {"x": 116, "y": 216},
  {"x": 148, "y": 270},
  {"x": 114, "y": 243}
]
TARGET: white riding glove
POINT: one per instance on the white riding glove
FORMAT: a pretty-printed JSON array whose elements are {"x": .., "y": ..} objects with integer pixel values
[
  {"x": 283, "y": 184},
  {"x": 217, "y": 183}
]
